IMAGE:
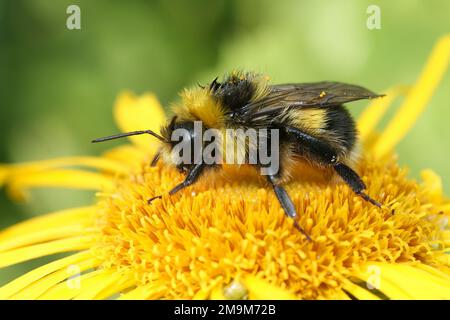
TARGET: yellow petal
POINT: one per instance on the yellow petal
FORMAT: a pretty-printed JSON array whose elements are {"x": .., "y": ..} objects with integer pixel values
[
  {"x": 128, "y": 154},
  {"x": 139, "y": 113},
  {"x": 433, "y": 185},
  {"x": 89, "y": 286},
  {"x": 337, "y": 295},
  {"x": 34, "y": 275},
  {"x": 374, "y": 112},
  {"x": 217, "y": 294},
  {"x": 143, "y": 292},
  {"x": 359, "y": 292},
  {"x": 75, "y": 179},
  {"x": 47, "y": 235},
  {"x": 389, "y": 289},
  {"x": 116, "y": 288},
  {"x": 434, "y": 271},
  {"x": 71, "y": 287},
  {"x": 444, "y": 258},
  {"x": 201, "y": 295},
  {"x": 11, "y": 257},
  {"x": 39, "y": 287},
  {"x": 404, "y": 281},
  {"x": 48, "y": 221},
  {"x": 416, "y": 100},
  {"x": 262, "y": 290},
  {"x": 108, "y": 165},
  {"x": 93, "y": 286}
]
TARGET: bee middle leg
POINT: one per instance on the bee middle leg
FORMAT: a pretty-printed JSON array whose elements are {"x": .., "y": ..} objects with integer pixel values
[{"x": 286, "y": 203}]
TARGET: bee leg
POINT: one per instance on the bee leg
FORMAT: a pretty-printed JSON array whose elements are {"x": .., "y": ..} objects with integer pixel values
[
  {"x": 155, "y": 159},
  {"x": 326, "y": 155},
  {"x": 354, "y": 181},
  {"x": 153, "y": 198},
  {"x": 286, "y": 203},
  {"x": 191, "y": 177}
]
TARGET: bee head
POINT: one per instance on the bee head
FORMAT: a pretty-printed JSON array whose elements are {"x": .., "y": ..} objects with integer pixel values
[{"x": 181, "y": 138}]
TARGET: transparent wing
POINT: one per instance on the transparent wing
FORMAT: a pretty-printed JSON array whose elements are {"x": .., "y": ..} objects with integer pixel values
[{"x": 320, "y": 94}]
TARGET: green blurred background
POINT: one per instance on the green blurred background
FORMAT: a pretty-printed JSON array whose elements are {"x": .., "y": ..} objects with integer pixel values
[{"x": 57, "y": 86}]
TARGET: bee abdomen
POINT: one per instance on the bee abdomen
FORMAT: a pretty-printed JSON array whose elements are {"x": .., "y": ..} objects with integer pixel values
[{"x": 341, "y": 128}]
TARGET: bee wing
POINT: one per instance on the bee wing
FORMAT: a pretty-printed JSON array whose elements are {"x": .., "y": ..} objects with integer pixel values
[{"x": 318, "y": 94}]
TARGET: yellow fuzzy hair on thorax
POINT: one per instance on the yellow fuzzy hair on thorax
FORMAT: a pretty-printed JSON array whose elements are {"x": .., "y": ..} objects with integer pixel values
[{"x": 198, "y": 104}]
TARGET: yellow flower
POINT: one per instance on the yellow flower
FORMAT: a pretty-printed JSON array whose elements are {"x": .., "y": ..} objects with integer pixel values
[{"x": 227, "y": 237}]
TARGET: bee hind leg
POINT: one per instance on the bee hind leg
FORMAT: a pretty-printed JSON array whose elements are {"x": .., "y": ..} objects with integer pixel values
[
  {"x": 327, "y": 155},
  {"x": 286, "y": 203},
  {"x": 354, "y": 181}
]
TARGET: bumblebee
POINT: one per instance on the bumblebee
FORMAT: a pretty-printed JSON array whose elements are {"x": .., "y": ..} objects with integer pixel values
[{"x": 312, "y": 124}]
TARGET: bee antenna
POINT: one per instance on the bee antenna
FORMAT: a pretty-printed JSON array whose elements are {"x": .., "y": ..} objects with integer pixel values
[{"x": 127, "y": 134}]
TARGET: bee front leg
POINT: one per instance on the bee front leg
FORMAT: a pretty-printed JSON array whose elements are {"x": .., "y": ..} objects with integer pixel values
[
  {"x": 191, "y": 177},
  {"x": 286, "y": 203},
  {"x": 155, "y": 158}
]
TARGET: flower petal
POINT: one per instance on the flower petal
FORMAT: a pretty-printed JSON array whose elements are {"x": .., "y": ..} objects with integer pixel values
[
  {"x": 358, "y": 292},
  {"x": 104, "y": 164},
  {"x": 91, "y": 285},
  {"x": 404, "y": 281},
  {"x": 143, "y": 292},
  {"x": 34, "y": 275},
  {"x": 262, "y": 290},
  {"x": 37, "y": 288},
  {"x": 128, "y": 154},
  {"x": 115, "y": 289},
  {"x": 444, "y": 258},
  {"x": 48, "y": 221},
  {"x": 70, "y": 288},
  {"x": 217, "y": 294},
  {"x": 79, "y": 229},
  {"x": 74, "y": 179},
  {"x": 14, "y": 256},
  {"x": 336, "y": 295},
  {"x": 374, "y": 112},
  {"x": 432, "y": 185},
  {"x": 417, "y": 99},
  {"x": 434, "y": 271},
  {"x": 94, "y": 286},
  {"x": 139, "y": 113},
  {"x": 201, "y": 295}
]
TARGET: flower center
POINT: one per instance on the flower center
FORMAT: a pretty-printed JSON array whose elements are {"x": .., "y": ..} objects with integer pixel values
[{"x": 230, "y": 225}]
